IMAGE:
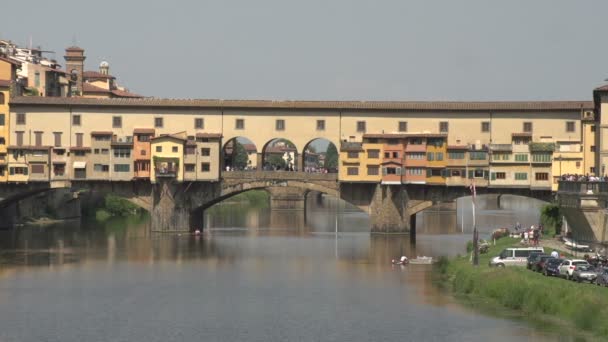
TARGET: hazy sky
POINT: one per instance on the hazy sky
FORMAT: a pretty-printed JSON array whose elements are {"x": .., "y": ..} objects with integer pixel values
[{"x": 324, "y": 49}]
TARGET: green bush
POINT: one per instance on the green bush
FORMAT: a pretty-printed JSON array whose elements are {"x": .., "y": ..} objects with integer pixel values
[{"x": 117, "y": 206}]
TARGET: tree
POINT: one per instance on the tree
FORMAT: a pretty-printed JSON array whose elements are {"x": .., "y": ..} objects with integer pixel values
[
  {"x": 331, "y": 157},
  {"x": 551, "y": 217},
  {"x": 276, "y": 160},
  {"x": 240, "y": 158}
]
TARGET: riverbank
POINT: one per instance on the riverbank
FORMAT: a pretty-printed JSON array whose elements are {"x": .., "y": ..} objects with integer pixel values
[{"x": 581, "y": 308}]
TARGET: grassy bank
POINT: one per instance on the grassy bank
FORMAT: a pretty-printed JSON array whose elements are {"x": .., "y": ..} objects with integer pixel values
[{"x": 544, "y": 299}]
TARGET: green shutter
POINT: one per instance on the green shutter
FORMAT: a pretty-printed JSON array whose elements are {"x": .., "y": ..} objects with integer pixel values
[
  {"x": 444, "y": 173},
  {"x": 471, "y": 174},
  {"x": 384, "y": 171},
  {"x": 493, "y": 175},
  {"x": 463, "y": 173},
  {"x": 486, "y": 174},
  {"x": 398, "y": 171},
  {"x": 25, "y": 171},
  {"x": 11, "y": 170},
  {"x": 428, "y": 173}
]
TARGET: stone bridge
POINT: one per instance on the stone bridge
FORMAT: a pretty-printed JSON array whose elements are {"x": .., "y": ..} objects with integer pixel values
[
  {"x": 179, "y": 206},
  {"x": 585, "y": 207}
]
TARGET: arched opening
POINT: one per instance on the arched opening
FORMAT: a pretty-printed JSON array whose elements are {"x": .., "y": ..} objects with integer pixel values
[
  {"x": 280, "y": 155},
  {"x": 240, "y": 154},
  {"x": 320, "y": 156}
]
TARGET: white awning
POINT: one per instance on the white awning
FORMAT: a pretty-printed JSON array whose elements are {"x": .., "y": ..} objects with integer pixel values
[{"x": 80, "y": 165}]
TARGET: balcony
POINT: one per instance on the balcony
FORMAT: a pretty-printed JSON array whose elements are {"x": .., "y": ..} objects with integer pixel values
[
  {"x": 166, "y": 167},
  {"x": 122, "y": 141},
  {"x": 501, "y": 147}
]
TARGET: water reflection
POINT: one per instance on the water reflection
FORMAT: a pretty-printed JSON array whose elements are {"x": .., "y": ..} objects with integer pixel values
[{"x": 257, "y": 275}]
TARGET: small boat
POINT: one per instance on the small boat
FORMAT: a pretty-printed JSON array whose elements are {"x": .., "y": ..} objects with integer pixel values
[
  {"x": 573, "y": 245},
  {"x": 402, "y": 261},
  {"x": 422, "y": 260}
]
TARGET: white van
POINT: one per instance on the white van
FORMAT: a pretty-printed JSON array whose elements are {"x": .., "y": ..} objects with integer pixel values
[{"x": 514, "y": 256}]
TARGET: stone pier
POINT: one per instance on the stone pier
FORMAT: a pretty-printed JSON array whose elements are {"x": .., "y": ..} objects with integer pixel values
[
  {"x": 282, "y": 198},
  {"x": 388, "y": 210}
]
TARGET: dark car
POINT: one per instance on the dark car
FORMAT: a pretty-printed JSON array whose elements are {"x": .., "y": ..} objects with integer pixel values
[
  {"x": 602, "y": 277},
  {"x": 539, "y": 264},
  {"x": 584, "y": 273},
  {"x": 534, "y": 257},
  {"x": 551, "y": 267}
]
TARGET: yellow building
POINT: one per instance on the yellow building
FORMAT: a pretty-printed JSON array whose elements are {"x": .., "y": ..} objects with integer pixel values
[
  {"x": 568, "y": 158},
  {"x": 4, "y": 129},
  {"x": 360, "y": 162},
  {"x": 589, "y": 147},
  {"x": 436, "y": 157},
  {"x": 167, "y": 158}
]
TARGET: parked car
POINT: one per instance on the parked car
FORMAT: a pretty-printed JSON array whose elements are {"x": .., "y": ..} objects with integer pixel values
[
  {"x": 602, "y": 277},
  {"x": 584, "y": 273},
  {"x": 539, "y": 264},
  {"x": 514, "y": 256},
  {"x": 532, "y": 258},
  {"x": 551, "y": 267},
  {"x": 569, "y": 265}
]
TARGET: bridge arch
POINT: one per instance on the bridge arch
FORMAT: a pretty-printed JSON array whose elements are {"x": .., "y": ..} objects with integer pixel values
[
  {"x": 280, "y": 154},
  {"x": 320, "y": 155},
  {"x": 240, "y": 153}
]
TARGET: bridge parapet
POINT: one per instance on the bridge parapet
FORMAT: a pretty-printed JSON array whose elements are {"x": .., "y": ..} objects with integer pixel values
[
  {"x": 280, "y": 175},
  {"x": 583, "y": 195},
  {"x": 589, "y": 188}
]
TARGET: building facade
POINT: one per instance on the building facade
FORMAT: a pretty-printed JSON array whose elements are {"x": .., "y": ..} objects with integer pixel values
[{"x": 494, "y": 144}]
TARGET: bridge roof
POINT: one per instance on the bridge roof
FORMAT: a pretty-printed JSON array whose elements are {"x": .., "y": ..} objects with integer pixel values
[{"x": 338, "y": 105}]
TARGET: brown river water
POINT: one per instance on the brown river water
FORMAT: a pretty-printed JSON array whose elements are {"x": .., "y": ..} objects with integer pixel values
[{"x": 255, "y": 275}]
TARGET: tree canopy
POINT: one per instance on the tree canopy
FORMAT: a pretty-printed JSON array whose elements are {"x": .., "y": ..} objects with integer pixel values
[{"x": 331, "y": 157}]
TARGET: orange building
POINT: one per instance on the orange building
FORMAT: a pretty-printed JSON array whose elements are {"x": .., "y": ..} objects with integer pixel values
[
  {"x": 141, "y": 152},
  {"x": 415, "y": 159}
]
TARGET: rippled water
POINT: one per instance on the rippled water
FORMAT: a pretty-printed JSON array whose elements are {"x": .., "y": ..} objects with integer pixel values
[{"x": 258, "y": 275}]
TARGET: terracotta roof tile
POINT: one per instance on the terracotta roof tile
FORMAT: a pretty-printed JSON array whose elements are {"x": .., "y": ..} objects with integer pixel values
[
  {"x": 208, "y": 135},
  {"x": 11, "y": 61},
  {"x": 517, "y": 106},
  {"x": 279, "y": 149},
  {"x": 172, "y": 136},
  {"x": 80, "y": 148},
  {"x": 249, "y": 147},
  {"x": 122, "y": 93},
  {"x": 602, "y": 88},
  {"x": 458, "y": 147},
  {"x": 351, "y": 146},
  {"x": 89, "y": 88},
  {"x": 144, "y": 131},
  {"x": 28, "y": 147}
]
